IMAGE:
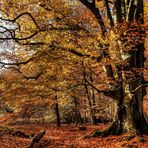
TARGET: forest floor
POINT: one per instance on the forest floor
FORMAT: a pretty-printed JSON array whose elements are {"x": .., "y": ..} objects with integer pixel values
[{"x": 70, "y": 136}]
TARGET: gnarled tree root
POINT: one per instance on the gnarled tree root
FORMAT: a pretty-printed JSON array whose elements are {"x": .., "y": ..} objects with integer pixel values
[
  {"x": 109, "y": 131},
  {"x": 113, "y": 129}
]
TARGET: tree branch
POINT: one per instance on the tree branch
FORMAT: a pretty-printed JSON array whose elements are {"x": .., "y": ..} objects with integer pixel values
[
  {"x": 20, "y": 15},
  {"x": 131, "y": 11},
  {"x": 14, "y": 38},
  {"x": 75, "y": 52},
  {"x": 31, "y": 43},
  {"x": 92, "y": 7},
  {"x": 16, "y": 63},
  {"x": 139, "y": 87},
  {"x": 36, "y": 139},
  {"x": 6, "y": 30},
  {"x": 110, "y": 93},
  {"x": 117, "y": 11},
  {"x": 75, "y": 27},
  {"x": 109, "y": 13}
]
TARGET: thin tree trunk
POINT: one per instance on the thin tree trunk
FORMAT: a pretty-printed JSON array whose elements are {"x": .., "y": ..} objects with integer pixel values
[
  {"x": 58, "y": 122},
  {"x": 88, "y": 95},
  {"x": 94, "y": 119},
  {"x": 77, "y": 112},
  {"x": 109, "y": 15},
  {"x": 117, "y": 11}
]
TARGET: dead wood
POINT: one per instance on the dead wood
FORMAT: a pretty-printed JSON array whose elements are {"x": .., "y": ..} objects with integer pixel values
[
  {"x": 13, "y": 132},
  {"x": 36, "y": 140}
]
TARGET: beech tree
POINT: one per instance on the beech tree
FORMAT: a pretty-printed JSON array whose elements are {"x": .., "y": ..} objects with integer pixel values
[
  {"x": 120, "y": 50},
  {"x": 125, "y": 55}
]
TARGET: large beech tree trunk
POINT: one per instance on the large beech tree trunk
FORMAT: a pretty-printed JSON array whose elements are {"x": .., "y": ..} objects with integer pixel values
[
  {"x": 129, "y": 96},
  {"x": 129, "y": 111},
  {"x": 128, "y": 117}
]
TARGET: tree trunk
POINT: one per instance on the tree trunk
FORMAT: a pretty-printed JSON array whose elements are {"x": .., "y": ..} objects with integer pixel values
[
  {"x": 58, "y": 122},
  {"x": 129, "y": 116},
  {"x": 56, "y": 110},
  {"x": 36, "y": 141},
  {"x": 78, "y": 118},
  {"x": 129, "y": 107},
  {"x": 89, "y": 97},
  {"x": 94, "y": 118}
]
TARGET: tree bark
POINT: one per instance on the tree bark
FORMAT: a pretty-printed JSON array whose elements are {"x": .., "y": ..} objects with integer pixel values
[
  {"x": 89, "y": 98},
  {"x": 129, "y": 116},
  {"x": 92, "y": 7},
  {"x": 56, "y": 111},
  {"x": 58, "y": 122},
  {"x": 78, "y": 117},
  {"x": 36, "y": 141}
]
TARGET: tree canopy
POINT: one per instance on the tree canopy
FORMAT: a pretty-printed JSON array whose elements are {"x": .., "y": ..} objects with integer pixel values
[{"x": 79, "y": 48}]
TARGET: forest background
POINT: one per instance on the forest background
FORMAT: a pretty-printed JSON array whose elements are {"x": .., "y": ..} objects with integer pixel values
[{"x": 74, "y": 62}]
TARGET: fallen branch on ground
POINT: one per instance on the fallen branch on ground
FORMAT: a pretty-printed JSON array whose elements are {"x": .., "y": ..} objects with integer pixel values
[
  {"x": 36, "y": 140},
  {"x": 13, "y": 132}
]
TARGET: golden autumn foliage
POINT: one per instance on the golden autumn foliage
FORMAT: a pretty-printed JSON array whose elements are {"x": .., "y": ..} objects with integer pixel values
[{"x": 57, "y": 54}]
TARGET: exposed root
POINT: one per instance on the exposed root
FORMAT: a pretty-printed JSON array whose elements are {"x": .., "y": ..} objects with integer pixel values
[{"x": 113, "y": 129}]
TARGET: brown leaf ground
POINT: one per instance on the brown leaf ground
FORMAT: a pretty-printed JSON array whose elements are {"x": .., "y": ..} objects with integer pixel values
[{"x": 69, "y": 136}]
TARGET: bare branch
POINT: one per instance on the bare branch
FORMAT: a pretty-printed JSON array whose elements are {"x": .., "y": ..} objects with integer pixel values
[
  {"x": 109, "y": 13},
  {"x": 10, "y": 31},
  {"x": 31, "y": 43},
  {"x": 14, "y": 38},
  {"x": 75, "y": 52},
  {"x": 92, "y": 7},
  {"x": 75, "y": 27},
  {"x": 20, "y": 15},
  {"x": 16, "y": 63},
  {"x": 139, "y": 87}
]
